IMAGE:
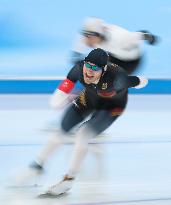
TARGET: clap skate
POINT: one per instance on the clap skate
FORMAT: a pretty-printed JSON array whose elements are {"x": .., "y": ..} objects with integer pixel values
[
  {"x": 60, "y": 188},
  {"x": 29, "y": 176}
]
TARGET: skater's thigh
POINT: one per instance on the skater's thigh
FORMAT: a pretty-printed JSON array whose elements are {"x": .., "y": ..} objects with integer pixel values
[
  {"x": 102, "y": 119},
  {"x": 73, "y": 116}
]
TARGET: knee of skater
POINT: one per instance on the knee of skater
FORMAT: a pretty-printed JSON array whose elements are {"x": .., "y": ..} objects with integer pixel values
[{"x": 64, "y": 127}]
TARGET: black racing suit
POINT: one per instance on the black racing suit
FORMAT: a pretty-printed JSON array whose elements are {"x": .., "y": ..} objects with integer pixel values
[{"x": 97, "y": 99}]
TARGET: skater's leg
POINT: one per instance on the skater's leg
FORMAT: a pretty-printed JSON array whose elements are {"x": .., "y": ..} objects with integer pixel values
[
  {"x": 70, "y": 119},
  {"x": 89, "y": 130}
]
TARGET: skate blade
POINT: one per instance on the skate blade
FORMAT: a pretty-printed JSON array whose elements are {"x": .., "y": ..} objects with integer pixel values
[{"x": 51, "y": 195}]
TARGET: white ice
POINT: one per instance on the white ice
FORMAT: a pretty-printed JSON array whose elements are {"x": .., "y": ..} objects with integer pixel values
[{"x": 133, "y": 165}]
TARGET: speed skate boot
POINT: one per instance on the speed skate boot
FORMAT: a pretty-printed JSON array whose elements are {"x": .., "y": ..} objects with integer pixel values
[
  {"x": 29, "y": 176},
  {"x": 62, "y": 187}
]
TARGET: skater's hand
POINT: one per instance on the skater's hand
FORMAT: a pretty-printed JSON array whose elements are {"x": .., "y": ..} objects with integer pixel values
[
  {"x": 143, "y": 82},
  {"x": 150, "y": 38},
  {"x": 60, "y": 102},
  {"x": 72, "y": 96}
]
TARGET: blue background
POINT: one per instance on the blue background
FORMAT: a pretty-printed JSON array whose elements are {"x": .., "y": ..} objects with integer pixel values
[{"x": 37, "y": 35}]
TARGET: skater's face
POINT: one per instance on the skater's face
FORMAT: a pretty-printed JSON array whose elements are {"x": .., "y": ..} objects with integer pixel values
[
  {"x": 91, "y": 72},
  {"x": 91, "y": 40}
]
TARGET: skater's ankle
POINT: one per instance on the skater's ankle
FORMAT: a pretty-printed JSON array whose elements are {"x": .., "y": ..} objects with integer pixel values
[
  {"x": 36, "y": 165},
  {"x": 68, "y": 177}
]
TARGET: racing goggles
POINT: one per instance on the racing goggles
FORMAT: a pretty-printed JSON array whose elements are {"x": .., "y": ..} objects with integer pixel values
[
  {"x": 90, "y": 33},
  {"x": 92, "y": 67}
]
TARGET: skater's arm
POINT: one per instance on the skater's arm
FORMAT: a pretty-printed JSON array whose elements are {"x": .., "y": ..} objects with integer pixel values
[
  {"x": 137, "y": 81},
  {"x": 123, "y": 82},
  {"x": 61, "y": 95}
]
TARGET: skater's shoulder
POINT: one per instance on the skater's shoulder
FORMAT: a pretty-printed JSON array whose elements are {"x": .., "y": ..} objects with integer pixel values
[{"x": 114, "y": 68}]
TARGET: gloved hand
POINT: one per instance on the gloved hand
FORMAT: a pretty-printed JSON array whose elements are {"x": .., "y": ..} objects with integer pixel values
[
  {"x": 149, "y": 37},
  {"x": 143, "y": 82}
]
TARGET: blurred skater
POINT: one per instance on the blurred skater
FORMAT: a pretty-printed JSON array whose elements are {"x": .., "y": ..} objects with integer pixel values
[
  {"x": 123, "y": 46},
  {"x": 104, "y": 99}
]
